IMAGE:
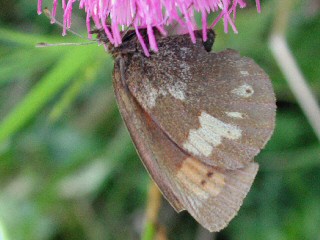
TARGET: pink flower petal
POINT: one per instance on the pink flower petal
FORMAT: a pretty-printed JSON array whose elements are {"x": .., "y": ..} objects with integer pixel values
[
  {"x": 113, "y": 15},
  {"x": 39, "y": 11}
]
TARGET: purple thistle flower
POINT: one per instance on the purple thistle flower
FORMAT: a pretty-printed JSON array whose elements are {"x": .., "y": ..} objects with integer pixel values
[{"x": 149, "y": 14}]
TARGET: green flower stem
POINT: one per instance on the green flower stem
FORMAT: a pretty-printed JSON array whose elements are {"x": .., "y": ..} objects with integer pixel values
[{"x": 152, "y": 212}]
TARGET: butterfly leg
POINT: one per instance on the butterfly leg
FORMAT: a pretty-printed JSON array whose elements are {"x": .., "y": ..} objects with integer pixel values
[
  {"x": 210, "y": 39},
  {"x": 121, "y": 63}
]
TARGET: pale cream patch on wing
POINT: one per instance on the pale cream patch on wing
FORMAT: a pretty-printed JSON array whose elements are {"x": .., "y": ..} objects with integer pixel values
[
  {"x": 151, "y": 96},
  {"x": 244, "y": 90},
  {"x": 201, "y": 141},
  {"x": 200, "y": 179},
  {"x": 244, "y": 73},
  {"x": 235, "y": 115},
  {"x": 149, "y": 93},
  {"x": 177, "y": 90}
]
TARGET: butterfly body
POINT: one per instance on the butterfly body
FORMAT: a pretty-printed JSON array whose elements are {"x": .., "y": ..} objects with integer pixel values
[{"x": 197, "y": 119}]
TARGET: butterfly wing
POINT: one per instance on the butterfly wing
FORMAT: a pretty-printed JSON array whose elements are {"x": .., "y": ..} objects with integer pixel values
[
  {"x": 211, "y": 195},
  {"x": 226, "y": 102}
]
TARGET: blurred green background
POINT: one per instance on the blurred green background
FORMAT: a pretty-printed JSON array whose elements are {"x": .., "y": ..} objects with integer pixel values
[{"x": 68, "y": 169}]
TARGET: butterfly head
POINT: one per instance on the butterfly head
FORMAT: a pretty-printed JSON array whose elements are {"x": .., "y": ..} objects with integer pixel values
[
  {"x": 103, "y": 38},
  {"x": 128, "y": 44}
]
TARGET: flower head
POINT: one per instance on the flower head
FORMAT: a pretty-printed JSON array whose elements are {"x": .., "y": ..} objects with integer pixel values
[{"x": 118, "y": 14}]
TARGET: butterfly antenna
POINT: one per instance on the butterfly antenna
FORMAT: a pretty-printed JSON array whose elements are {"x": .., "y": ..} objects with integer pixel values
[
  {"x": 49, "y": 15},
  {"x": 42, "y": 45}
]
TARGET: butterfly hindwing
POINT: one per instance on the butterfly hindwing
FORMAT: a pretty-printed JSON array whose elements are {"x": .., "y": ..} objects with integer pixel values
[
  {"x": 218, "y": 107},
  {"x": 211, "y": 195}
]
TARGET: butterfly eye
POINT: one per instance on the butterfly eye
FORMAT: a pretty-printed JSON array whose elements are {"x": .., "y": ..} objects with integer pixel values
[{"x": 210, "y": 40}]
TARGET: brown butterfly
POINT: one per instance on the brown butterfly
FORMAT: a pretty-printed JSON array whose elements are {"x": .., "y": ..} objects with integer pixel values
[{"x": 197, "y": 118}]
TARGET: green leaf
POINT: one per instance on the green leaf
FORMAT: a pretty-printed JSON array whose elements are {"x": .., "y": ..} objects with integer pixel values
[
  {"x": 149, "y": 231},
  {"x": 21, "y": 64},
  {"x": 46, "y": 89}
]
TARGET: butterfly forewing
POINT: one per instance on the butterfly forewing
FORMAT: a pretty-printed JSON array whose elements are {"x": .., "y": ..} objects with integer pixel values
[
  {"x": 217, "y": 107},
  {"x": 211, "y": 195}
]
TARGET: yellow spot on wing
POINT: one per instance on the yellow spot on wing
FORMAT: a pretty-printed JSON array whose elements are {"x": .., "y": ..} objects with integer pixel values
[{"x": 194, "y": 173}]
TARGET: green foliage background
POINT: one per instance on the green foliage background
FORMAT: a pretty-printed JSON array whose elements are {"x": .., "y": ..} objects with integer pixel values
[{"x": 68, "y": 169}]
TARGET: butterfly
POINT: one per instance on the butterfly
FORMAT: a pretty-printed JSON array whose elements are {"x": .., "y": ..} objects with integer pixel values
[{"x": 197, "y": 118}]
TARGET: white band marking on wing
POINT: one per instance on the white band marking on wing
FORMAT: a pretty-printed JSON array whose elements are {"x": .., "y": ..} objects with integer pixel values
[{"x": 201, "y": 141}]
